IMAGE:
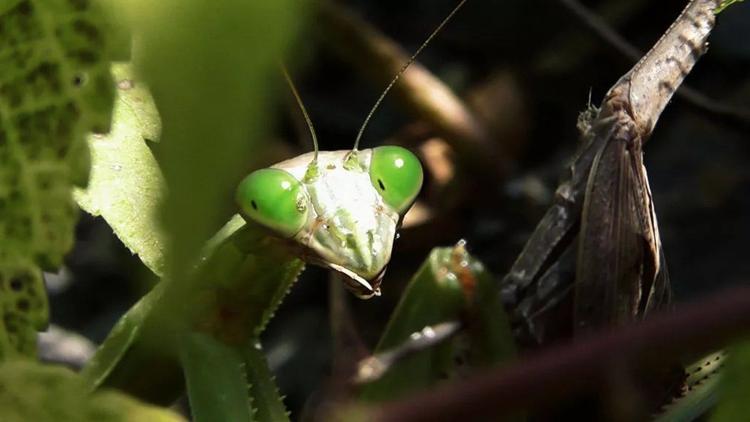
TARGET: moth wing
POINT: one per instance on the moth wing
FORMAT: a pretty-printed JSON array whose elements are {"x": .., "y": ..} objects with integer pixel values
[{"x": 616, "y": 259}]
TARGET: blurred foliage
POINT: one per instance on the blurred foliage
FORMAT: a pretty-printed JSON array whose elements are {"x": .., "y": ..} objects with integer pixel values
[
  {"x": 735, "y": 386},
  {"x": 209, "y": 70},
  {"x": 46, "y": 393}
]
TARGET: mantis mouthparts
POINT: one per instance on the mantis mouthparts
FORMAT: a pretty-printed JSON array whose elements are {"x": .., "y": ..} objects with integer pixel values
[{"x": 357, "y": 284}]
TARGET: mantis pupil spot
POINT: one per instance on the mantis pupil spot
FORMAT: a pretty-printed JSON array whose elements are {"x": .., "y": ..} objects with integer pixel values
[
  {"x": 254, "y": 205},
  {"x": 380, "y": 183}
]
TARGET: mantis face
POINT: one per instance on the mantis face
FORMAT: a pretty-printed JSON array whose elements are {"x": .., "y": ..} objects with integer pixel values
[{"x": 340, "y": 211}]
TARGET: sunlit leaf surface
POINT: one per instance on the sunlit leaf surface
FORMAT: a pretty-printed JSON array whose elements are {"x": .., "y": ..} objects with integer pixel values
[{"x": 126, "y": 185}]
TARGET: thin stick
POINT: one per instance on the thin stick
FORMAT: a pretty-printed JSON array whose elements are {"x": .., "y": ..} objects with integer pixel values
[
  {"x": 403, "y": 69},
  {"x": 304, "y": 110},
  {"x": 374, "y": 367},
  {"x": 686, "y": 93}
]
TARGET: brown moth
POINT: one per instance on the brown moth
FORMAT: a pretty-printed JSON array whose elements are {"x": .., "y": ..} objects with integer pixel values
[{"x": 600, "y": 239}]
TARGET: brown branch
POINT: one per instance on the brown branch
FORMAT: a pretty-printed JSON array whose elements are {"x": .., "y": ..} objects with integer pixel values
[
  {"x": 697, "y": 99},
  {"x": 584, "y": 365}
]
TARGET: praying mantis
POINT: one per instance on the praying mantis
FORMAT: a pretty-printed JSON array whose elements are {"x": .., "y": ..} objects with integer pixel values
[{"x": 335, "y": 209}]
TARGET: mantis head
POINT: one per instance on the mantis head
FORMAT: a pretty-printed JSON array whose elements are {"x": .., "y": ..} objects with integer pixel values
[{"x": 339, "y": 209}]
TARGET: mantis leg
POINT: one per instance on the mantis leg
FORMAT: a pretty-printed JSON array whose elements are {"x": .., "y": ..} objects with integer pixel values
[
  {"x": 220, "y": 311},
  {"x": 212, "y": 366}
]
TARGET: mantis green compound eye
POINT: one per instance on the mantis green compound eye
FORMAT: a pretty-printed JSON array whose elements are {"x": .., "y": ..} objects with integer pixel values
[
  {"x": 397, "y": 175},
  {"x": 275, "y": 199}
]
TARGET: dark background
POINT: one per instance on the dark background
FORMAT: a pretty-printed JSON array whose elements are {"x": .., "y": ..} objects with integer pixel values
[{"x": 549, "y": 60}]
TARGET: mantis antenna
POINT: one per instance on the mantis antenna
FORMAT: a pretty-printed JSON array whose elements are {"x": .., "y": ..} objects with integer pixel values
[
  {"x": 401, "y": 72},
  {"x": 304, "y": 111}
]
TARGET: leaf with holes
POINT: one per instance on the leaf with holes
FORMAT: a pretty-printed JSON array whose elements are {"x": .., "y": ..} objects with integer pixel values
[{"x": 55, "y": 87}]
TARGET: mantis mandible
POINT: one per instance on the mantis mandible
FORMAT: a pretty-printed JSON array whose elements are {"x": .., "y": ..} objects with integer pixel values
[{"x": 337, "y": 209}]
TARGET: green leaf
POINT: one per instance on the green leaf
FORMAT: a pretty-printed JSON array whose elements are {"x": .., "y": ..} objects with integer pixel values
[
  {"x": 55, "y": 87},
  {"x": 46, "y": 393},
  {"x": 126, "y": 185},
  {"x": 734, "y": 387}
]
